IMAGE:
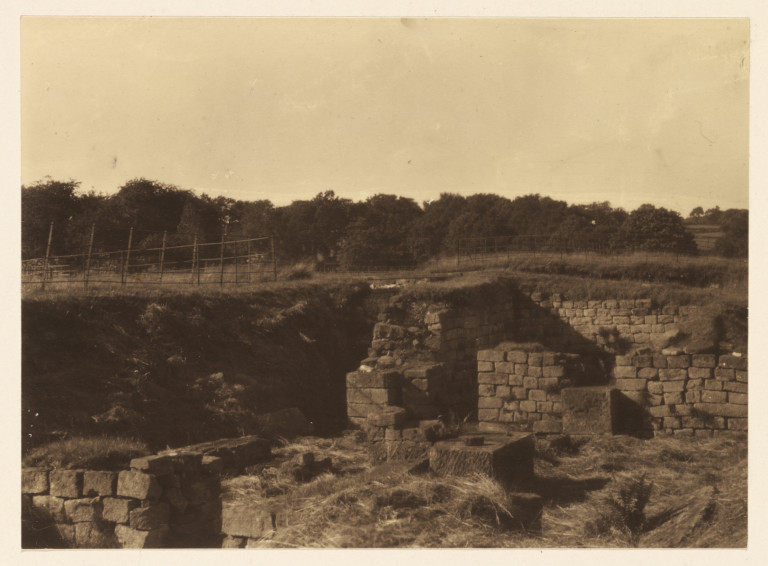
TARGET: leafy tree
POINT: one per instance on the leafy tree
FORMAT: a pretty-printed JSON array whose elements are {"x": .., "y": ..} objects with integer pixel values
[
  {"x": 430, "y": 233},
  {"x": 380, "y": 234},
  {"x": 650, "y": 228},
  {"x": 735, "y": 239},
  {"x": 42, "y": 203}
]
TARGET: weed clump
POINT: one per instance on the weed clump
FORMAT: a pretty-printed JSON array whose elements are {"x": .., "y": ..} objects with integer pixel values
[{"x": 625, "y": 511}]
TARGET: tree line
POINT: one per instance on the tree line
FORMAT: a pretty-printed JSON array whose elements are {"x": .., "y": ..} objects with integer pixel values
[{"x": 384, "y": 230}]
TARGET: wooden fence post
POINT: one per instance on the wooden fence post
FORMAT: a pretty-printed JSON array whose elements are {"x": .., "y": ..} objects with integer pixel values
[
  {"x": 162, "y": 254},
  {"x": 221, "y": 256},
  {"x": 127, "y": 258},
  {"x": 274, "y": 259},
  {"x": 195, "y": 261},
  {"x": 88, "y": 258},
  {"x": 47, "y": 254}
]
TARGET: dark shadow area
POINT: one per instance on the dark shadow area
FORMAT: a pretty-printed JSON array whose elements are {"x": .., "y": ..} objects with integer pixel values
[
  {"x": 631, "y": 418},
  {"x": 39, "y": 531},
  {"x": 563, "y": 490}
]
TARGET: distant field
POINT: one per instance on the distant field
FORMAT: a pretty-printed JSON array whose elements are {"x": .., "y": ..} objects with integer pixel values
[{"x": 705, "y": 235}]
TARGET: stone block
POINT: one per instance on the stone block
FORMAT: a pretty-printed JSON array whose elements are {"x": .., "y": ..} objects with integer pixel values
[
  {"x": 374, "y": 379},
  {"x": 66, "y": 483},
  {"x": 52, "y": 505},
  {"x": 588, "y": 410},
  {"x": 388, "y": 416},
  {"x": 34, "y": 481},
  {"x": 490, "y": 356},
  {"x": 99, "y": 483},
  {"x": 655, "y": 388},
  {"x": 648, "y": 373},
  {"x": 676, "y": 362},
  {"x": 81, "y": 510},
  {"x": 625, "y": 372},
  {"x": 722, "y": 409},
  {"x": 507, "y": 459},
  {"x": 704, "y": 360},
  {"x": 138, "y": 485},
  {"x": 487, "y": 414},
  {"x": 714, "y": 396},
  {"x": 158, "y": 465},
  {"x": 735, "y": 387},
  {"x": 117, "y": 510},
  {"x": 377, "y": 396},
  {"x": 244, "y": 520},
  {"x": 528, "y": 406},
  {"x": 714, "y": 385},
  {"x": 134, "y": 538},
  {"x": 672, "y": 374},
  {"x": 673, "y": 398},
  {"x": 631, "y": 384},
  {"x": 504, "y": 367},
  {"x": 517, "y": 356},
  {"x": 492, "y": 378},
  {"x": 361, "y": 410},
  {"x": 725, "y": 374},
  {"x": 149, "y": 518},
  {"x": 699, "y": 373},
  {"x": 489, "y": 403},
  {"x": 95, "y": 535},
  {"x": 737, "y": 398},
  {"x": 732, "y": 362},
  {"x": 673, "y": 386},
  {"x": 553, "y": 371}
]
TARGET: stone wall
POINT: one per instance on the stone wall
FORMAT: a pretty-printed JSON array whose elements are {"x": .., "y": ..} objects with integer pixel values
[
  {"x": 166, "y": 500},
  {"x": 686, "y": 394}
]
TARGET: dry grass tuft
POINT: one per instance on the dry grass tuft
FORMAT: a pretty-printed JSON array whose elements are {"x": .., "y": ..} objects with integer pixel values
[{"x": 96, "y": 452}]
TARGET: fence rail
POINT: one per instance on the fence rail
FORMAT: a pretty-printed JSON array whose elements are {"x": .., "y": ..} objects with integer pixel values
[{"x": 225, "y": 262}]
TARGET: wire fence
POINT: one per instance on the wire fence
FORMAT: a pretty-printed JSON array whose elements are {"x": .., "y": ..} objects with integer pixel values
[{"x": 197, "y": 263}]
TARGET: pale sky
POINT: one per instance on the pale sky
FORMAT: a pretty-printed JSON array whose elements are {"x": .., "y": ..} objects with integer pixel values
[{"x": 624, "y": 110}]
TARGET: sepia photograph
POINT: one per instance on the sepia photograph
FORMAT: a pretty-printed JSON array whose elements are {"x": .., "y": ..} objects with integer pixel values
[{"x": 383, "y": 282}]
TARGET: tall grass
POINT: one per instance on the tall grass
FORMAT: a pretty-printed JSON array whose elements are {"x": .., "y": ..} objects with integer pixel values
[{"x": 94, "y": 452}]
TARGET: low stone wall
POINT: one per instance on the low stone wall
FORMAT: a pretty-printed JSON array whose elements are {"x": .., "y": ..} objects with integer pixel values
[
  {"x": 519, "y": 387},
  {"x": 686, "y": 394},
  {"x": 166, "y": 500}
]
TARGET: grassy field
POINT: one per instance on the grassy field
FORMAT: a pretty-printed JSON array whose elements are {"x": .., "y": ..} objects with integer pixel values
[{"x": 696, "y": 498}]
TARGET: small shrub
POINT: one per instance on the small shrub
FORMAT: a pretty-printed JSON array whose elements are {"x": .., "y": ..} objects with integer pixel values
[{"x": 628, "y": 507}]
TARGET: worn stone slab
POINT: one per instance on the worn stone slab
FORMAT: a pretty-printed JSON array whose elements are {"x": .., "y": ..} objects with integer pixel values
[
  {"x": 133, "y": 538},
  {"x": 117, "y": 510},
  {"x": 99, "y": 483},
  {"x": 244, "y": 520},
  {"x": 589, "y": 410},
  {"x": 507, "y": 459},
  {"x": 158, "y": 465},
  {"x": 66, "y": 483},
  {"x": 138, "y": 485},
  {"x": 34, "y": 481},
  {"x": 378, "y": 396}
]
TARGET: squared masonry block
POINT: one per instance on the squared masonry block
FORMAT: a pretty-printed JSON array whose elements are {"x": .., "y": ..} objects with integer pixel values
[
  {"x": 490, "y": 356},
  {"x": 714, "y": 396},
  {"x": 51, "y": 504},
  {"x": 66, "y": 483},
  {"x": 704, "y": 360},
  {"x": 34, "y": 481},
  {"x": 138, "y": 485},
  {"x": 722, "y": 409},
  {"x": 94, "y": 535},
  {"x": 625, "y": 372},
  {"x": 631, "y": 384},
  {"x": 507, "y": 459},
  {"x": 377, "y": 396},
  {"x": 374, "y": 379},
  {"x": 737, "y": 398},
  {"x": 117, "y": 510},
  {"x": 682, "y": 361},
  {"x": 134, "y": 538},
  {"x": 82, "y": 510},
  {"x": 732, "y": 362},
  {"x": 99, "y": 483},
  {"x": 588, "y": 410}
]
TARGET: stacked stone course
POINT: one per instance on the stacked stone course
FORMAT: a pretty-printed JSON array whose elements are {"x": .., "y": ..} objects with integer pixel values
[
  {"x": 697, "y": 394},
  {"x": 168, "y": 499},
  {"x": 519, "y": 387}
]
